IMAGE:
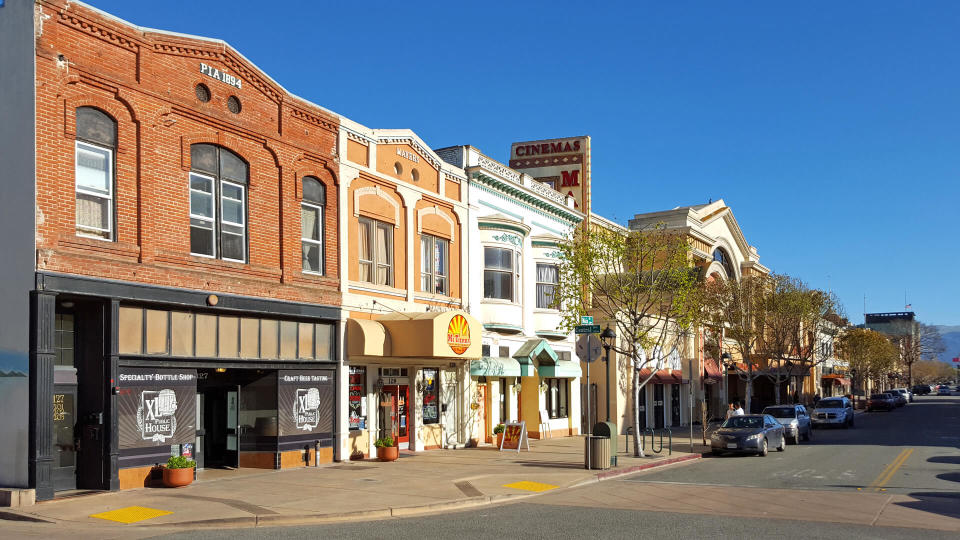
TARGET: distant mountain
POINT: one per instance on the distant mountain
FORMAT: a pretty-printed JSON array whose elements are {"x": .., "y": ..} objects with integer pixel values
[{"x": 951, "y": 340}]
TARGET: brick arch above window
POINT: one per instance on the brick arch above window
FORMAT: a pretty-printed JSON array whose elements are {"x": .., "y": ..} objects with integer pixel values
[
  {"x": 238, "y": 145},
  {"x": 435, "y": 210},
  {"x": 113, "y": 108},
  {"x": 376, "y": 191},
  {"x": 320, "y": 172}
]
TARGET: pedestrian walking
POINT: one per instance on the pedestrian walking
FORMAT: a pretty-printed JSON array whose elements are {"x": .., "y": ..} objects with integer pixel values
[
  {"x": 738, "y": 410},
  {"x": 730, "y": 409}
]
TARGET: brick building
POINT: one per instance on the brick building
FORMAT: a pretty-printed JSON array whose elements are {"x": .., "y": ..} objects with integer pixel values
[{"x": 183, "y": 279}]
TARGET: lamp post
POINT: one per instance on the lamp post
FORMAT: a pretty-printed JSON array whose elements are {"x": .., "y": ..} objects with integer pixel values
[
  {"x": 726, "y": 360},
  {"x": 608, "y": 337},
  {"x": 853, "y": 387}
]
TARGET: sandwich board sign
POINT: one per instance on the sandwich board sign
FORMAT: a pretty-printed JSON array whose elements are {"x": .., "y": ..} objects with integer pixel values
[{"x": 515, "y": 434}]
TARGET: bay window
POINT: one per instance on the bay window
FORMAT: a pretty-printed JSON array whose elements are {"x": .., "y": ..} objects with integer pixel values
[
  {"x": 434, "y": 271},
  {"x": 501, "y": 273},
  {"x": 547, "y": 279}
]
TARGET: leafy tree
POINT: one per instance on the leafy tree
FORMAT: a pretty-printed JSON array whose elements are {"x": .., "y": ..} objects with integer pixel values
[
  {"x": 932, "y": 371},
  {"x": 869, "y": 353},
  {"x": 640, "y": 281},
  {"x": 740, "y": 308}
]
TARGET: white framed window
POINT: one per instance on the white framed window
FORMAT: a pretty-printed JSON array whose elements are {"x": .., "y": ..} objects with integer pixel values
[
  {"x": 94, "y": 152},
  {"x": 547, "y": 280},
  {"x": 434, "y": 264},
  {"x": 218, "y": 203},
  {"x": 311, "y": 225},
  {"x": 376, "y": 251},
  {"x": 203, "y": 216},
  {"x": 94, "y": 172},
  {"x": 501, "y": 273}
]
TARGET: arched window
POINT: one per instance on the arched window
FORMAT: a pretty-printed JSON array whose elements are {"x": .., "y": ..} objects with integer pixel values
[
  {"x": 311, "y": 224},
  {"x": 94, "y": 149},
  {"x": 218, "y": 203},
  {"x": 721, "y": 256}
]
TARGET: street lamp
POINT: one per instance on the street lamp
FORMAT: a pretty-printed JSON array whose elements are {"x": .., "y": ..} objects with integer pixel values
[{"x": 608, "y": 337}]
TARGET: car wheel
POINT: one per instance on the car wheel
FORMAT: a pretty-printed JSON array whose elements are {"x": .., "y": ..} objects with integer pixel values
[
  {"x": 796, "y": 438},
  {"x": 783, "y": 443},
  {"x": 763, "y": 449}
]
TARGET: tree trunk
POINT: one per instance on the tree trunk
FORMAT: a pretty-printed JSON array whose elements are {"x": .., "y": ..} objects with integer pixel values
[
  {"x": 776, "y": 391},
  {"x": 749, "y": 388},
  {"x": 637, "y": 436}
]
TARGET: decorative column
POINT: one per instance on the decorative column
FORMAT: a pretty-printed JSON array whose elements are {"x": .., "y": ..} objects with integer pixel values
[
  {"x": 410, "y": 197},
  {"x": 42, "y": 357}
]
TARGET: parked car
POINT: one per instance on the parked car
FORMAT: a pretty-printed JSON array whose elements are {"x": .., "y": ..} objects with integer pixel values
[
  {"x": 795, "y": 421},
  {"x": 833, "y": 411},
  {"x": 922, "y": 389},
  {"x": 906, "y": 393},
  {"x": 749, "y": 433},
  {"x": 881, "y": 402},
  {"x": 898, "y": 398},
  {"x": 943, "y": 390}
]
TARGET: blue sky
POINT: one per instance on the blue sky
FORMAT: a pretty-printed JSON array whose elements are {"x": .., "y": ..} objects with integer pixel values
[{"x": 830, "y": 128}]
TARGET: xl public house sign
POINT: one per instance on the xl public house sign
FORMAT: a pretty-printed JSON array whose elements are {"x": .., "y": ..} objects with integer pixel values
[{"x": 563, "y": 164}]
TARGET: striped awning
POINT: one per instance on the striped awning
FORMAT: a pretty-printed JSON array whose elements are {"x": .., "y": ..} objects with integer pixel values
[{"x": 494, "y": 366}]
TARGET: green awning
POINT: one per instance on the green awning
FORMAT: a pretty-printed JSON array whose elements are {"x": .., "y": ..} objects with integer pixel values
[
  {"x": 494, "y": 366},
  {"x": 532, "y": 353},
  {"x": 563, "y": 368}
]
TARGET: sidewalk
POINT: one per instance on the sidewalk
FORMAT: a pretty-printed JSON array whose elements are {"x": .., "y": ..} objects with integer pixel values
[{"x": 416, "y": 483}]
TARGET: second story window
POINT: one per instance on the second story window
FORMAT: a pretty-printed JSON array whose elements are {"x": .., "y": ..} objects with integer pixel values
[
  {"x": 376, "y": 251},
  {"x": 547, "y": 280},
  {"x": 95, "y": 147},
  {"x": 311, "y": 225},
  {"x": 218, "y": 203},
  {"x": 434, "y": 268},
  {"x": 501, "y": 273}
]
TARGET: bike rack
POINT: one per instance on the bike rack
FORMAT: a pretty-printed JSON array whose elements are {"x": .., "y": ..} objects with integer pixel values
[{"x": 653, "y": 433}]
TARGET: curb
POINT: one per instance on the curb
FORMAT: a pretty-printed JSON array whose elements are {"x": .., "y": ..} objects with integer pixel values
[{"x": 274, "y": 520}]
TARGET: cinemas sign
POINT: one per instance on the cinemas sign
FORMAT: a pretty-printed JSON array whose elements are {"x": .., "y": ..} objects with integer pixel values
[{"x": 562, "y": 164}]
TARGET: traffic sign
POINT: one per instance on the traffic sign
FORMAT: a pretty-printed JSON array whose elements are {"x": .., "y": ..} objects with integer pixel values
[
  {"x": 586, "y": 319},
  {"x": 587, "y": 329},
  {"x": 588, "y": 347}
]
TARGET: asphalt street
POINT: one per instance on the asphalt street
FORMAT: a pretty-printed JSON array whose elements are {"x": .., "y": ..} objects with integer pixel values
[{"x": 888, "y": 477}]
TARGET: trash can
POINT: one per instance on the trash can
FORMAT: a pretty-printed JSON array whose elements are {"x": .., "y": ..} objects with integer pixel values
[
  {"x": 609, "y": 430},
  {"x": 599, "y": 452}
]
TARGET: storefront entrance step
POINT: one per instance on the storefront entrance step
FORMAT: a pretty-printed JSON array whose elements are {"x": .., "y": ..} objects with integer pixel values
[{"x": 16, "y": 498}]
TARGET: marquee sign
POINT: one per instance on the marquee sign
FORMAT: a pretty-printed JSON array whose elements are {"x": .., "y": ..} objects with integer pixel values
[
  {"x": 458, "y": 334},
  {"x": 562, "y": 164}
]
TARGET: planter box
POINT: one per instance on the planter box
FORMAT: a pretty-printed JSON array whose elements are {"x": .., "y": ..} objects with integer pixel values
[
  {"x": 388, "y": 453},
  {"x": 177, "y": 477},
  {"x": 499, "y": 439}
]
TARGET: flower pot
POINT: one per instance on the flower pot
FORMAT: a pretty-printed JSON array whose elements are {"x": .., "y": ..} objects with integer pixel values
[
  {"x": 177, "y": 477},
  {"x": 388, "y": 453},
  {"x": 499, "y": 439}
]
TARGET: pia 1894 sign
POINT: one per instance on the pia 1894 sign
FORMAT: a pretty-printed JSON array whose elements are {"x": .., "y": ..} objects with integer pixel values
[{"x": 219, "y": 75}]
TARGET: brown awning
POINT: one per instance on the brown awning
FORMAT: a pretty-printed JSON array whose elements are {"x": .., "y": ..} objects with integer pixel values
[
  {"x": 663, "y": 376},
  {"x": 838, "y": 380},
  {"x": 711, "y": 370}
]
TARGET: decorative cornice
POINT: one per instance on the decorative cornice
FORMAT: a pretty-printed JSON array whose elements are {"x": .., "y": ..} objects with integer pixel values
[
  {"x": 423, "y": 151},
  {"x": 314, "y": 119},
  {"x": 528, "y": 198},
  {"x": 98, "y": 31},
  {"x": 509, "y": 239},
  {"x": 498, "y": 168}
]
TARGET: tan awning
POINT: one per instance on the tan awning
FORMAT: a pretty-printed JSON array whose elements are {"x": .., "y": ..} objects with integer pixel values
[{"x": 450, "y": 334}]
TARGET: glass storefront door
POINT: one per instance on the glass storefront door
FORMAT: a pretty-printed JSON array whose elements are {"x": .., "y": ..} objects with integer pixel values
[
  {"x": 65, "y": 437},
  {"x": 675, "y": 404},
  {"x": 399, "y": 412},
  {"x": 658, "y": 406}
]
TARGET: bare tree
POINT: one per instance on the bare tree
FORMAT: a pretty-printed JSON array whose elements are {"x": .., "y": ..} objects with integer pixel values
[{"x": 641, "y": 281}]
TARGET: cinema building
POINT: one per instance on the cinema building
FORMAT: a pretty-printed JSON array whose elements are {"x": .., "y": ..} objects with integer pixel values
[
  {"x": 528, "y": 370},
  {"x": 409, "y": 338},
  {"x": 181, "y": 291}
]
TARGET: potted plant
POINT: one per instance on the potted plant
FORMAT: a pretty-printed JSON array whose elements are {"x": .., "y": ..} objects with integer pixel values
[
  {"x": 498, "y": 431},
  {"x": 387, "y": 449},
  {"x": 179, "y": 471}
]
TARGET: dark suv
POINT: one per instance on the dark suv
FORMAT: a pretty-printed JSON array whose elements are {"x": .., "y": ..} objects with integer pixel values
[{"x": 922, "y": 389}]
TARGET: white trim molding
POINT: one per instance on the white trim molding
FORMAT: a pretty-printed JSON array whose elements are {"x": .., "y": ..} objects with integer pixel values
[
  {"x": 435, "y": 210},
  {"x": 376, "y": 191}
]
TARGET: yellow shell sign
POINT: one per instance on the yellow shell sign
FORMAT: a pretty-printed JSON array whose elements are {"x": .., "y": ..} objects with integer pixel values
[{"x": 458, "y": 334}]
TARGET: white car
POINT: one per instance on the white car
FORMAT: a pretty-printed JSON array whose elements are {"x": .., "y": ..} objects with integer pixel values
[{"x": 906, "y": 394}]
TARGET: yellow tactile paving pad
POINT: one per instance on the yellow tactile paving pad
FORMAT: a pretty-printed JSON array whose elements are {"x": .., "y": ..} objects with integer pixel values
[
  {"x": 530, "y": 486},
  {"x": 131, "y": 514}
]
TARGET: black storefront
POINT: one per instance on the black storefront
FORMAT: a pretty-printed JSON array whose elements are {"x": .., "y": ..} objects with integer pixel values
[{"x": 124, "y": 375}]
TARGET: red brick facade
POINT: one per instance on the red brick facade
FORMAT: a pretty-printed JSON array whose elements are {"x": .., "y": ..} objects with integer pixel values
[{"x": 146, "y": 82}]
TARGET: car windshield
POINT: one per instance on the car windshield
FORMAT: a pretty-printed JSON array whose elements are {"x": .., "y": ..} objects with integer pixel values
[
  {"x": 743, "y": 422},
  {"x": 830, "y": 404},
  {"x": 781, "y": 412}
]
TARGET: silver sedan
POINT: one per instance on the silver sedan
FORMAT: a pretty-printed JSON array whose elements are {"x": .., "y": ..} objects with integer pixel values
[{"x": 748, "y": 434}]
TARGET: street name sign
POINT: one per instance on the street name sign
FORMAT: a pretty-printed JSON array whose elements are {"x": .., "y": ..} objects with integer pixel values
[
  {"x": 587, "y": 329},
  {"x": 586, "y": 319}
]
